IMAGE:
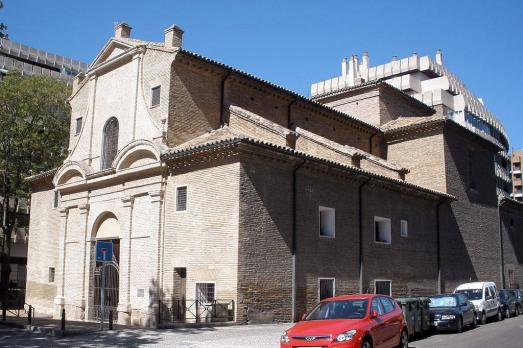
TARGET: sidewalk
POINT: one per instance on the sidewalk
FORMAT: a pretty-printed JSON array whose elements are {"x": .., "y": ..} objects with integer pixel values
[{"x": 52, "y": 327}]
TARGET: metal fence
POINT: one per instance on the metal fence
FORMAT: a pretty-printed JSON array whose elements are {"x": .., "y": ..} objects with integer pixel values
[
  {"x": 195, "y": 311},
  {"x": 15, "y": 299}
]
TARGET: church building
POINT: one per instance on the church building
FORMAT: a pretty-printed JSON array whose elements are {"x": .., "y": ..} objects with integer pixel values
[{"x": 227, "y": 197}]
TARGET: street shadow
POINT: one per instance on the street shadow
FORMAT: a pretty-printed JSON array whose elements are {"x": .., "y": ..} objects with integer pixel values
[{"x": 115, "y": 338}]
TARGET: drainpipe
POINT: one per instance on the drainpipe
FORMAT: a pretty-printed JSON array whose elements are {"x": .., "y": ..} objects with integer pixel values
[
  {"x": 222, "y": 99},
  {"x": 501, "y": 245},
  {"x": 360, "y": 231},
  {"x": 294, "y": 232},
  {"x": 370, "y": 142},
  {"x": 438, "y": 244},
  {"x": 289, "y": 125}
]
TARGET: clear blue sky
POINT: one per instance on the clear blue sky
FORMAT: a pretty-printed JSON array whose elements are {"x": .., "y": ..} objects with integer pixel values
[{"x": 296, "y": 43}]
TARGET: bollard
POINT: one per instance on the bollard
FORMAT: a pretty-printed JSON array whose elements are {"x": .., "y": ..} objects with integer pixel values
[
  {"x": 29, "y": 315},
  {"x": 110, "y": 320},
  {"x": 63, "y": 319},
  {"x": 4, "y": 311}
]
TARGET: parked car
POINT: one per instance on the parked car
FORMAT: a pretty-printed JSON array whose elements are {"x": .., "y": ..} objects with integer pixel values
[
  {"x": 507, "y": 300},
  {"x": 451, "y": 312},
  {"x": 364, "y": 321},
  {"x": 484, "y": 297},
  {"x": 518, "y": 296}
]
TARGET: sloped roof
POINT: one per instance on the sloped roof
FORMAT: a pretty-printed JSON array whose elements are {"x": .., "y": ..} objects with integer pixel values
[
  {"x": 402, "y": 123},
  {"x": 225, "y": 137}
]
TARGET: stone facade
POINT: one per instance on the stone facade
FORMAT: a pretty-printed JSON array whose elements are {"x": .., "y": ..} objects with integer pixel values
[{"x": 216, "y": 193}]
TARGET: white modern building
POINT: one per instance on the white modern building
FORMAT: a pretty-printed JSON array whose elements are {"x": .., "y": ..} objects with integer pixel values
[{"x": 427, "y": 80}]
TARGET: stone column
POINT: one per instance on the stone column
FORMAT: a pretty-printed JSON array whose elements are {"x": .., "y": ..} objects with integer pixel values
[
  {"x": 156, "y": 244},
  {"x": 84, "y": 211},
  {"x": 59, "y": 300},
  {"x": 126, "y": 226}
]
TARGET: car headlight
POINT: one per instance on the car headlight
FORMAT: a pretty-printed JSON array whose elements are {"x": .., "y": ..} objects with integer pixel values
[
  {"x": 284, "y": 338},
  {"x": 346, "y": 336},
  {"x": 447, "y": 317},
  {"x": 477, "y": 307}
]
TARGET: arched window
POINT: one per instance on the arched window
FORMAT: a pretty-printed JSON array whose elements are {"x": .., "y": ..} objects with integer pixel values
[{"x": 110, "y": 142}]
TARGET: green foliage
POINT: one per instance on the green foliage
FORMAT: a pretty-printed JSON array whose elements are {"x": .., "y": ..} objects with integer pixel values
[{"x": 34, "y": 129}]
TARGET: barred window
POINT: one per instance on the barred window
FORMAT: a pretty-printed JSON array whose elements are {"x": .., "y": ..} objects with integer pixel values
[
  {"x": 383, "y": 287},
  {"x": 181, "y": 198},
  {"x": 110, "y": 142},
  {"x": 155, "y": 95},
  {"x": 326, "y": 288},
  {"x": 205, "y": 292}
]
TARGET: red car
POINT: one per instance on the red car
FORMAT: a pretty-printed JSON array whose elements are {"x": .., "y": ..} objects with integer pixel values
[{"x": 364, "y": 321}]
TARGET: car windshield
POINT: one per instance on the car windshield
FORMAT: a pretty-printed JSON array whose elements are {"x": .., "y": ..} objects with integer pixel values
[
  {"x": 443, "y": 301},
  {"x": 472, "y": 294},
  {"x": 343, "y": 309}
]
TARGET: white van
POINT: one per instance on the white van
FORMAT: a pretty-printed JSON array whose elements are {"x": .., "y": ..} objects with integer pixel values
[{"x": 484, "y": 296}]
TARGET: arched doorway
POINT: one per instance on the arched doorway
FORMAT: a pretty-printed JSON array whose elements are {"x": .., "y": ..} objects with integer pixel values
[{"x": 107, "y": 229}]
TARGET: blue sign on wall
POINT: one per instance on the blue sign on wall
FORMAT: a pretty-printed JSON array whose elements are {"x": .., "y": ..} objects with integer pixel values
[{"x": 104, "y": 251}]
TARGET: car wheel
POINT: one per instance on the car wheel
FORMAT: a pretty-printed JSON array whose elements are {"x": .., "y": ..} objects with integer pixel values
[
  {"x": 474, "y": 321},
  {"x": 460, "y": 325},
  {"x": 404, "y": 340},
  {"x": 366, "y": 344},
  {"x": 483, "y": 318},
  {"x": 517, "y": 311}
]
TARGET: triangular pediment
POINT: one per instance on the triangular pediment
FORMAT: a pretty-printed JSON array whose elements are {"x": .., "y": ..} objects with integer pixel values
[{"x": 111, "y": 49}]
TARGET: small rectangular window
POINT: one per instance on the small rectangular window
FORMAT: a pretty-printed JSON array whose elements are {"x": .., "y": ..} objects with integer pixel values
[
  {"x": 56, "y": 201},
  {"x": 327, "y": 222},
  {"x": 205, "y": 292},
  {"x": 404, "y": 228},
  {"x": 78, "y": 125},
  {"x": 155, "y": 95},
  {"x": 181, "y": 198},
  {"x": 383, "y": 287},
  {"x": 382, "y": 233},
  {"x": 140, "y": 292},
  {"x": 51, "y": 274},
  {"x": 326, "y": 288}
]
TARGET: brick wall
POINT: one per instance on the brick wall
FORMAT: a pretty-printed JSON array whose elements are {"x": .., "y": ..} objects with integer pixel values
[
  {"x": 324, "y": 257},
  {"x": 470, "y": 239},
  {"x": 364, "y": 105},
  {"x": 42, "y": 249},
  {"x": 265, "y": 235},
  {"x": 204, "y": 238},
  {"x": 512, "y": 227},
  {"x": 409, "y": 262},
  {"x": 423, "y": 154},
  {"x": 194, "y": 102}
]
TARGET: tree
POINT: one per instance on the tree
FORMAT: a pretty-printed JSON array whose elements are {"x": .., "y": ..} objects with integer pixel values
[
  {"x": 34, "y": 128},
  {"x": 3, "y": 27}
]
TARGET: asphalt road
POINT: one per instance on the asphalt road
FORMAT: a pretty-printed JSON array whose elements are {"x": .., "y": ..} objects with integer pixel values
[{"x": 506, "y": 334}]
